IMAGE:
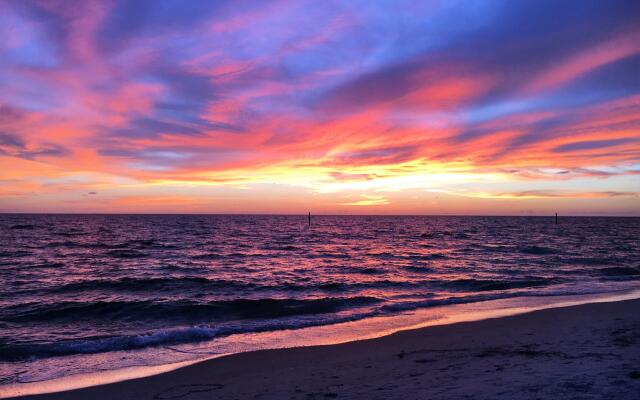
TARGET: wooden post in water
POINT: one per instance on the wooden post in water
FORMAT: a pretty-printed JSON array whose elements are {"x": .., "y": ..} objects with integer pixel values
[
  {"x": 309, "y": 218},
  {"x": 556, "y": 218}
]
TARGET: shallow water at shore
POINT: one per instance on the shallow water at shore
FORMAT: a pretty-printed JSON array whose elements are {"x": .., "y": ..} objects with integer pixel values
[{"x": 150, "y": 361}]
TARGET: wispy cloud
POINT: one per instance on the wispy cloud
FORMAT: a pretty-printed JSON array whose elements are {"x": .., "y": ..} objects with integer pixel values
[
  {"x": 326, "y": 97},
  {"x": 368, "y": 201},
  {"x": 544, "y": 194}
]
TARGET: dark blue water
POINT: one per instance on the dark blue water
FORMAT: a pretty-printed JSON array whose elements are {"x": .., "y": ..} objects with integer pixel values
[{"x": 90, "y": 284}]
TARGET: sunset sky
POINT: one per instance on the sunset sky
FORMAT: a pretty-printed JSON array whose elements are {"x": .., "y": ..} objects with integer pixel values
[{"x": 367, "y": 107}]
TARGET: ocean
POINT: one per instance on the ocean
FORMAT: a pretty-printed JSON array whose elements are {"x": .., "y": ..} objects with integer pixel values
[{"x": 82, "y": 293}]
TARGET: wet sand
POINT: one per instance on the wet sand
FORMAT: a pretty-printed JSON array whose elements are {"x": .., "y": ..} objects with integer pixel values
[{"x": 589, "y": 351}]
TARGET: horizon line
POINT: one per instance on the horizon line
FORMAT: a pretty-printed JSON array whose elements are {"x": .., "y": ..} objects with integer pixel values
[{"x": 304, "y": 214}]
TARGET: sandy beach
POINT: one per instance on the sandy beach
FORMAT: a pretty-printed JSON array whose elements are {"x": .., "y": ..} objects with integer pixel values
[{"x": 588, "y": 351}]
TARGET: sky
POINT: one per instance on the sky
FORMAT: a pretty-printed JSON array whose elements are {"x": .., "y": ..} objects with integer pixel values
[{"x": 335, "y": 107}]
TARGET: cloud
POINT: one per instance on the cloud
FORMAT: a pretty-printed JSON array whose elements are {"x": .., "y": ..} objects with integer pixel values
[
  {"x": 595, "y": 144},
  {"x": 541, "y": 194},
  {"x": 9, "y": 114},
  {"x": 14, "y": 146},
  {"x": 323, "y": 95},
  {"x": 343, "y": 176},
  {"x": 602, "y": 54},
  {"x": 9, "y": 140},
  {"x": 368, "y": 201},
  {"x": 376, "y": 156}
]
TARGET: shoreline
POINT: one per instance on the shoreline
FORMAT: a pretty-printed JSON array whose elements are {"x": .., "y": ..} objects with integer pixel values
[{"x": 79, "y": 383}]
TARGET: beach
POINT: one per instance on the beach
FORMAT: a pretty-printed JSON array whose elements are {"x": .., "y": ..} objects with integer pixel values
[{"x": 589, "y": 351}]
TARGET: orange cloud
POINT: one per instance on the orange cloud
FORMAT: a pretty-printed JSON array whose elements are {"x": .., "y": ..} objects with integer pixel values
[{"x": 609, "y": 51}]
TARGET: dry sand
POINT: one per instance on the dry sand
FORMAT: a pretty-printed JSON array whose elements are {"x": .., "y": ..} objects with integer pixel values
[{"x": 588, "y": 351}]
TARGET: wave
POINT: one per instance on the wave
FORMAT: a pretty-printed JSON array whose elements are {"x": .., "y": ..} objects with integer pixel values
[
  {"x": 537, "y": 250},
  {"x": 284, "y": 247},
  {"x": 416, "y": 268},
  {"x": 71, "y": 233},
  {"x": 620, "y": 272},
  {"x": 218, "y": 256},
  {"x": 482, "y": 285},
  {"x": 432, "y": 235},
  {"x": 187, "y": 283},
  {"x": 46, "y": 265},
  {"x": 430, "y": 256},
  {"x": 495, "y": 248},
  {"x": 368, "y": 271},
  {"x": 17, "y": 253},
  {"x": 592, "y": 261},
  {"x": 22, "y": 226},
  {"x": 133, "y": 244},
  {"x": 410, "y": 256},
  {"x": 145, "y": 284},
  {"x": 54, "y": 244},
  {"x": 181, "y": 310},
  {"x": 124, "y": 253},
  {"x": 92, "y": 345},
  {"x": 22, "y": 352},
  {"x": 208, "y": 256},
  {"x": 324, "y": 254},
  {"x": 385, "y": 255},
  {"x": 413, "y": 305},
  {"x": 379, "y": 284}
]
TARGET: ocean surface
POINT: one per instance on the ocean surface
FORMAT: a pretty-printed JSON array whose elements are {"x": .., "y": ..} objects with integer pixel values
[{"x": 90, "y": 292}]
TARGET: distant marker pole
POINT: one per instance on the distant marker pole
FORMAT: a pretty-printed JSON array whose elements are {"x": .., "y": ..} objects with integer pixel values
[
  {"x": 309, "y": 218},
  {"x": 556, "y": 218}
]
